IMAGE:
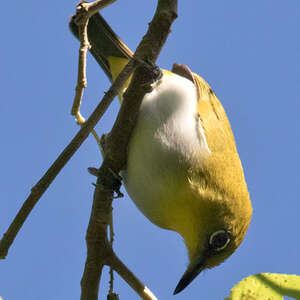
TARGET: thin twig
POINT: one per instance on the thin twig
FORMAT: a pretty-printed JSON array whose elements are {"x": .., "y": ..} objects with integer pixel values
[
  {"x": 85, "y": 10},
  {"x": 38, "y": 190},
  {"x": 81, "y": 78},
  {"x": 130, "y": 278},
  {"x": 83, "y": 13}
]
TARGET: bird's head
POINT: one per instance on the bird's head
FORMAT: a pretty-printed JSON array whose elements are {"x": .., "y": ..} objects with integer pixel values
[{"x": 219, "y": 219}]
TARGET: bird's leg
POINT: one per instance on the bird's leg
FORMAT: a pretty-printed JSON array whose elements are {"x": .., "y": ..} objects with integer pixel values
[
  {"x": 113, "y": 181},
  {"x": 155, "y": 70}
]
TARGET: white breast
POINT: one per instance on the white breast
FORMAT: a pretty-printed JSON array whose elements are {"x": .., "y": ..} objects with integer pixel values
[{"x": 168, "y": 138}]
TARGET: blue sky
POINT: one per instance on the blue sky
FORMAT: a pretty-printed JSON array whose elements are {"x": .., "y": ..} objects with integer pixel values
[{"x": 250, "y": 54}]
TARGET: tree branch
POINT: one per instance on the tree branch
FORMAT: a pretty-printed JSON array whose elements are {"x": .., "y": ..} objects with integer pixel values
[
  {"x": 38, "y": 190},
  {"x": 116, "y": 144}
]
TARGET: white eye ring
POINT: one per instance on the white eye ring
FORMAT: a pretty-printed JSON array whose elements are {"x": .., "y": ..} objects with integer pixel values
[{"x": 211, "y": 239}]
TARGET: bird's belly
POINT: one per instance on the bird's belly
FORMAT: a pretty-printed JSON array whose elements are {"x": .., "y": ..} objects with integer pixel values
[{"x": 164, "y": 144}]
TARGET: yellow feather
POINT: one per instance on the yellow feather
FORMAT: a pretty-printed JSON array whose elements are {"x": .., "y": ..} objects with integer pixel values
[{"x": 117, "y": 64}]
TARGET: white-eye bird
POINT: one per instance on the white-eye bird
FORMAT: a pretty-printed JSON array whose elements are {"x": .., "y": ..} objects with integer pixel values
[{"x": 183, "y": 171}]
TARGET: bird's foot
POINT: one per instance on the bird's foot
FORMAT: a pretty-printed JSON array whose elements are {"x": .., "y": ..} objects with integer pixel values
[{"x": 112, "y": 181}]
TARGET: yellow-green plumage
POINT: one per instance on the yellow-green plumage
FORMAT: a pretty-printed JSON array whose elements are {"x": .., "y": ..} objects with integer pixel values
[
  {"x": 223, "y": 167},
  {"x": 183, "y": 170}
]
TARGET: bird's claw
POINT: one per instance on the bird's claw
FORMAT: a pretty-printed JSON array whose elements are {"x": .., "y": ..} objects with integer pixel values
[
  {"x": 151, "y": 66},
  {"x": 93, "y": 171},
  {"x": 114, "y": 183}
]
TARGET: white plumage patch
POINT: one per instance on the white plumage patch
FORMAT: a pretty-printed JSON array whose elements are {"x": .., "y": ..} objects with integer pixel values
[
  {"x": 167, "y": 140},
  {"x": 172, "y": 106}
]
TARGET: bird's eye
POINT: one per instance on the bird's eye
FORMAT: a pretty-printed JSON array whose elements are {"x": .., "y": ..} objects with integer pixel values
[{"x": 219, "y": 240}]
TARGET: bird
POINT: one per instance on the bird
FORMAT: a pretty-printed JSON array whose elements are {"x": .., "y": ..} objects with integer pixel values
[{"x": 183, "y": 170}]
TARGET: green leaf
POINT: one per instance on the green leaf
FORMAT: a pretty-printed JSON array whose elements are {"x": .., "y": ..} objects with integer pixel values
[{"x": 266, "y": 286}]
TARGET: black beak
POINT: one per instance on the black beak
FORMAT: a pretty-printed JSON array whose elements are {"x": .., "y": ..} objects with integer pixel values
[{"x": 187, "y": 278}]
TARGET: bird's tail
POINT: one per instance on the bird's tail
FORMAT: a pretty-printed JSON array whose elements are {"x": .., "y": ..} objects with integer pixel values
[{"x": 107, "y": 48}]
